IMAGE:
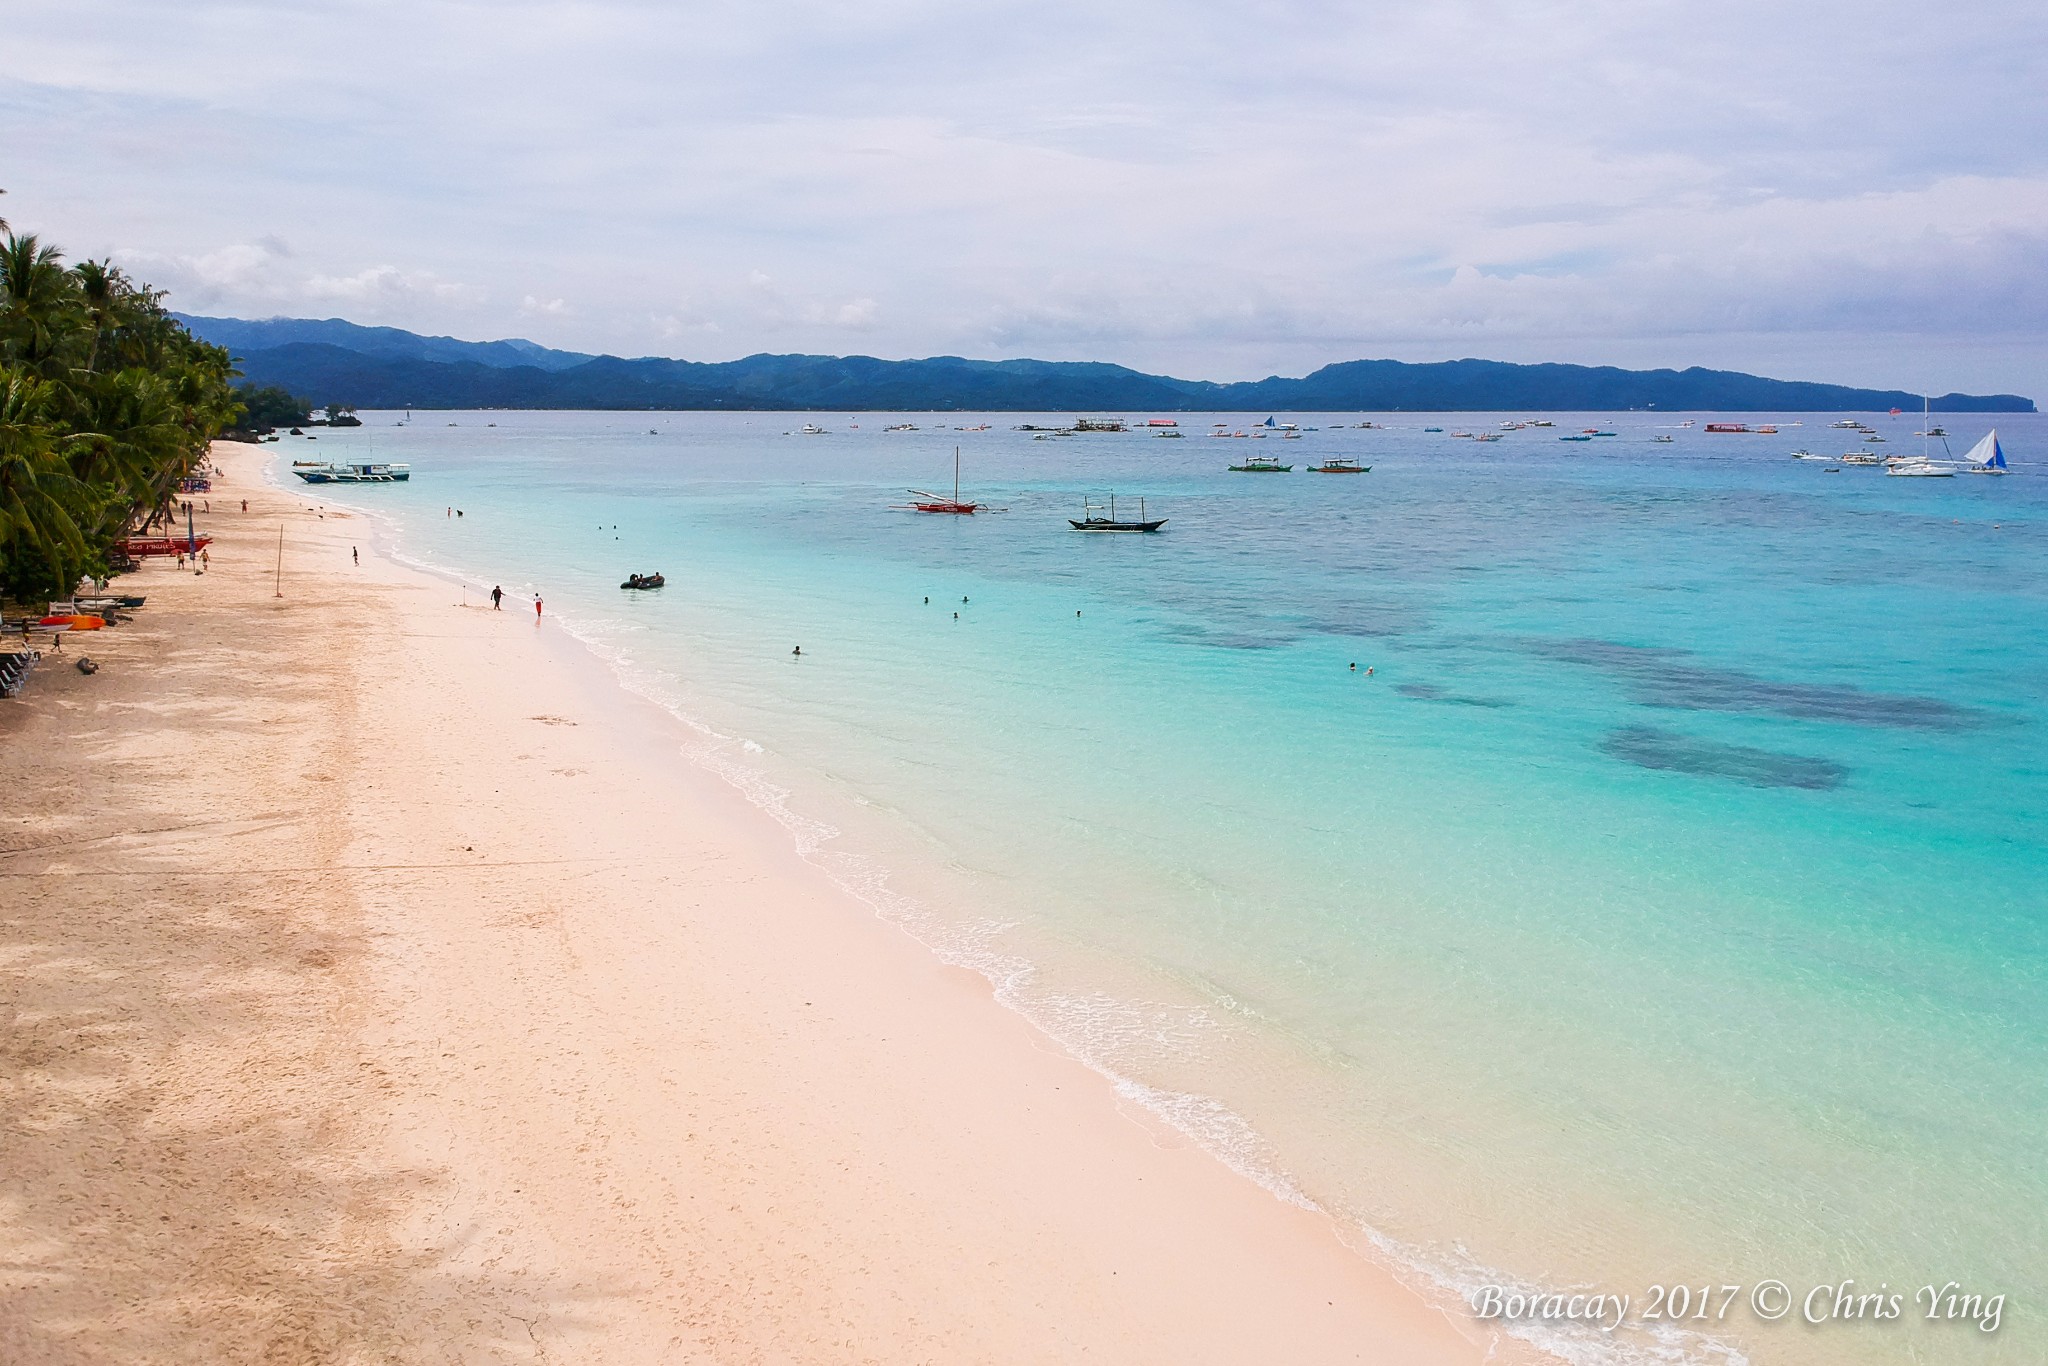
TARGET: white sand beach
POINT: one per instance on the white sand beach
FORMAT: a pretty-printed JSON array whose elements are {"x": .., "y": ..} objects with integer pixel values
[{"x": 377, "y": 986}]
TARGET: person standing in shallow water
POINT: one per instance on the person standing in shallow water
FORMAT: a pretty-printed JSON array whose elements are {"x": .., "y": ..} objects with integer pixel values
[
  {"x": 497, "y": 599},
  {"x": 536, "y": 608}
]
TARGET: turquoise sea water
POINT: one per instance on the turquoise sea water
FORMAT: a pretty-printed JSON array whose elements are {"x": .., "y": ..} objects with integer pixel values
[{"x": 1668, "y": 906}]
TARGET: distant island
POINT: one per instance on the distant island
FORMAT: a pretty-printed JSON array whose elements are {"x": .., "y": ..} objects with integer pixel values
[{"x": 331, "y": 361}]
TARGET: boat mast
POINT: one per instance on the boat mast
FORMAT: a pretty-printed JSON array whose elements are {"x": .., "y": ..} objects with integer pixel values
[{"x": 956, "y": 474}]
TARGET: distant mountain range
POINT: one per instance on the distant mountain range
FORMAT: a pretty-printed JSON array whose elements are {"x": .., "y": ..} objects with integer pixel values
[{"x": 332, "y": 361}]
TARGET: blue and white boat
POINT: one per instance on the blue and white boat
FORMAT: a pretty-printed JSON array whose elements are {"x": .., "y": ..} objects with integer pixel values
[
  {"x": 352, "y": 472},
  {"x": 1987, "y": 456}
]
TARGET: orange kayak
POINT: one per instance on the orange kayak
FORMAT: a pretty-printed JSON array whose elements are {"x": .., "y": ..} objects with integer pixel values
[{"x": 74, "y": 623}]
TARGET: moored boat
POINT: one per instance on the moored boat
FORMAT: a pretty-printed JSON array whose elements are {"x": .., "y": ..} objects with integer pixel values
[
  {"x": 1102, "y": 517},
  {"x": 1340, "y": 464},
  {"x": 354, "y": 472},
  {"x": 1261, "y": 464},
  {"x": 938, "y": 502}
]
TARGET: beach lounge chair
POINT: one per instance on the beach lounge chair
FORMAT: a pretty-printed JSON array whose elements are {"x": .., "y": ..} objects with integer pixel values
[{"x": 14, "y": 667}]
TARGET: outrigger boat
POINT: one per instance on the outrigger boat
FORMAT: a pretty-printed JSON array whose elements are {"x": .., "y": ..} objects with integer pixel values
[
  {"x": 1091, "y": 518},
  {"x": 136, "y": 547},
  {"x": 935, "y": 502},
  {"x": 1340, "y": 464},
  {"x": 1261, "y": 464},
  {"x": 354, "y": 472},
  {"x": 1987, "y": 456}
]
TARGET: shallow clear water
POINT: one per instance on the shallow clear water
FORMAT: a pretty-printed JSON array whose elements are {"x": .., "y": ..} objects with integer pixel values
[{"x": 1667, "y": 905}]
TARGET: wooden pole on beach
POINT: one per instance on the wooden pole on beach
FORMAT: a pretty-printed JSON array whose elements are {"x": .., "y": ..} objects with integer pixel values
[{"x": 278, "y": 582}]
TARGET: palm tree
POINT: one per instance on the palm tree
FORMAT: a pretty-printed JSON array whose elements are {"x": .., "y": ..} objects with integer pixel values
[
  {"x": 38, "y": 300},
  {"x": 106, "y": 402},
  {"x": 38, "y": 493},
  {"x": 99, "y": 288}
]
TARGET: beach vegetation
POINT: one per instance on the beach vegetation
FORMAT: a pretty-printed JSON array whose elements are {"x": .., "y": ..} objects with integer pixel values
[
  {"x": 269, "y": 405},
  {"x": 106, "y": 404}
]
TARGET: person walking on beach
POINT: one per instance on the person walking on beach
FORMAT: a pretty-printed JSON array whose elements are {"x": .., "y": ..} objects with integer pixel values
[
  {"x": 497, "y": 599},
  {"x": 245, "y": 505},
  {"x": 536, "y": 609},
  {"x": 355, "y": 555}
]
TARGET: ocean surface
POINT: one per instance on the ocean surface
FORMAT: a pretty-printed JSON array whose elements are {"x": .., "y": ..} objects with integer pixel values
[{"x": 1662, "y": 900}]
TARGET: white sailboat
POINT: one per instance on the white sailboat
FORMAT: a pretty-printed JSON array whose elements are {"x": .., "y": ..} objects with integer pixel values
[
  {"x": 1919, "y": 466},
  {"x": 1987, "y": 456}
]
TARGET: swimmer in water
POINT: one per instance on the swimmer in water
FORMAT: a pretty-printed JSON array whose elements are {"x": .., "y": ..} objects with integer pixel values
[{"x": 798, "y": 651}]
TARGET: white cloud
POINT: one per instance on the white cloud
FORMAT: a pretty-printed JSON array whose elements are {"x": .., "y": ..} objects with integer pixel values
[{"x": 1212, "y": 188}]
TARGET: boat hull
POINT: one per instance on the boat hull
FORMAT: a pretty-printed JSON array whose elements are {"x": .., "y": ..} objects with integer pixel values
[
  {"x": 1103, "y": 524},
  {"x": 135, "y": 547}
]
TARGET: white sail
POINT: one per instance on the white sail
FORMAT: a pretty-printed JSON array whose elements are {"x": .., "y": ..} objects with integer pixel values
[{"x": 1987, "y": 454}]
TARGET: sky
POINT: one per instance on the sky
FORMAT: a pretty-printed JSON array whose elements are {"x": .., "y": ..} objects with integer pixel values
[{"x": 1848, "y": 192}]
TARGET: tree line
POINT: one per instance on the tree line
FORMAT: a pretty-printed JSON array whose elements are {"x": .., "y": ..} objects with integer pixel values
[{"x": 106, "y": 403}]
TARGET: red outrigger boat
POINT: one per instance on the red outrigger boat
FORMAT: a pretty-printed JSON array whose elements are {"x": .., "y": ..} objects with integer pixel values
[
  {"x": 936, "y": 502},
  {"x": 135, "y": 547}
]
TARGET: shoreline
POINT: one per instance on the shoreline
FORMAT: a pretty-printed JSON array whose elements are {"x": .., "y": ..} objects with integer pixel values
[{"x": 606, "y": 1070}]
